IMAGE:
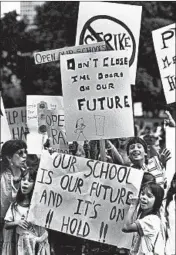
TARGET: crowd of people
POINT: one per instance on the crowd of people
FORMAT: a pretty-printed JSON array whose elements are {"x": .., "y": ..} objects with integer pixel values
[{"x": 151, "y": 215}]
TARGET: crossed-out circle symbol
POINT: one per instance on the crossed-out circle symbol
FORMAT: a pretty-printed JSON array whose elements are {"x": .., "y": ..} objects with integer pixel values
[{"x": 87, "y": 26}]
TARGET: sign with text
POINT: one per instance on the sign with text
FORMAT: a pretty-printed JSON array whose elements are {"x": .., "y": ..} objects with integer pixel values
[
  {"x": 84, "y": 197},
  {"x": 5, "y": 130},
  {"x": 111, "y": 22},
  {"x": 170, "y": 145},
  {"x": 54, "y": 55},
  {"x": 164, "y": 43},
  {"x": 97, "y": 96},
  {"x": 45, "y": 119},
  {"x": 16, "y": 118}
]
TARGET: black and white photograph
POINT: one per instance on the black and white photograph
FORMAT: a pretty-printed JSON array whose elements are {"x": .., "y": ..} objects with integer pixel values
[{"x": 88, "y": 125}]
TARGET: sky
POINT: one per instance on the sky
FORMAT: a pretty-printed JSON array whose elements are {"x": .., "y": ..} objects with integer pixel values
[{"x": 9, "y": 6}]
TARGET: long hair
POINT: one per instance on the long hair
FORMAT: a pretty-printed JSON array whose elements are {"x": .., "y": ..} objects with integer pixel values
[
  {"x": 158, "y": 193},
  {"x": 171, "y": 192},
  {"x": 20, "y": 196}
]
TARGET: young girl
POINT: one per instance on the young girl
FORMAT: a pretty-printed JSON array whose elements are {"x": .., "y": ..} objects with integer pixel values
[
  {"x": 29, "y": 239},
  {"x": 170, "y": 217},
  {"x": 147, "y": 227}
]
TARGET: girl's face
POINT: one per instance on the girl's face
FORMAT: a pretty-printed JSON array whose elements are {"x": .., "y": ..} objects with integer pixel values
[
  {"x": 155, "y": 149},
  {"x": 19, "y": 158},
  {"x": 27, "y": 185},
  {"x": 147, "y": 199},
  {"x": 136, "y": 152}
]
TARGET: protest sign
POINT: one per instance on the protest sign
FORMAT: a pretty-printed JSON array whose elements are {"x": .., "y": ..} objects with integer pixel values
[
  {"x": 45, "y": 119},
  {"x": 97, "y": 96},
  {"x": 84, "y": 197},
  {"x": 164, "y": 43},
  {"x": 170, "y": 145},
  {"x": 138, "y": 110},
  {"x": 54, "y": 55},
  {"x": 5, "y": 130},
  {"x": 16, "y": 118},
  {"x": 111, "y": 23}
]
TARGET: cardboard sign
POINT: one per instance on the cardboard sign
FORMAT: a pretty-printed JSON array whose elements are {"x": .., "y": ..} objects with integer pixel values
[
  {"x": 45, "y": 119},
  {"x": 164, "y": 43},
  {"x": 97, "y": 96},
  {"x": 54, "y": 55},
  {"x": 84, "y": 197},
  {"x": 5, "y": 130},
  {"x": 16, "y": 118},
  {"x": 138, "y": 110},
  {"x": 170, "y": 145},
  {"x": 116, "y": 24}
]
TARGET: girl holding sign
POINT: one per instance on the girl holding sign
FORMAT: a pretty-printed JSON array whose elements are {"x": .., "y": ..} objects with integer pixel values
[
  {"x": 148, "y": 235},
  {"x": 27, "y": 237}
]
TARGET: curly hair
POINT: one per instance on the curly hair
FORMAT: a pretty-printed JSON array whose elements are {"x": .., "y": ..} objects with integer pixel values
[{"x": 9, "y": 148}]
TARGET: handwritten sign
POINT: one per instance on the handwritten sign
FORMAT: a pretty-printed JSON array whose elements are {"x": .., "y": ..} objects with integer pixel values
[
  {"x": 170, "y": 145},
  {"x": 97, "y": 96},
  {"x": 111, "y": 22},
  {"x": 54, "y": 55},
  {"x": 16, "y": 118},
  {"x": 45, "y": 118},
  {"x": 5, "y": 130},
  {"x": 164, "y": 43},
  {"x": 84, "y": 197}
]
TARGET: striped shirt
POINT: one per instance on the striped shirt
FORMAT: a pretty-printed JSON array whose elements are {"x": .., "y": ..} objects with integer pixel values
[{"x": 155, "y": 168}]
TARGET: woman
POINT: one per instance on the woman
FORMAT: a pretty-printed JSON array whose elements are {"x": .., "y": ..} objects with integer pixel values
[{"x": 14, "y": 155}]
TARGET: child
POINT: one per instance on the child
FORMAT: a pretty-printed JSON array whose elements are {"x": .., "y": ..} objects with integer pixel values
[
  {"x": 170, "y": 217},
  {"x": 147, "y": 227},
  {"x": 137, "y": 153},
  {"x": 28, "y": 239}
]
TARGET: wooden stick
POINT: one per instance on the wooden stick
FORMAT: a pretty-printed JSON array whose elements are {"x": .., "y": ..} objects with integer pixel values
[{"x": 102, "y": 150}]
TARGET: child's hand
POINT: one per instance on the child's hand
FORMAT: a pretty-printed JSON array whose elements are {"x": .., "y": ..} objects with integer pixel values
[
  {"x": 42, "y": 238},
  {"x": 108, "y": 144},
  {"x": 133, "y": 200},
  {"x": 165, "y": 156},
  {"x": 23, "y": 223}
]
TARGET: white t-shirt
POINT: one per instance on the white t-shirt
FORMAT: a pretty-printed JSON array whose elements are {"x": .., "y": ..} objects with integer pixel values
[
  {"x": 16, "y": 213},
  {"x": 144, "y": 240}
]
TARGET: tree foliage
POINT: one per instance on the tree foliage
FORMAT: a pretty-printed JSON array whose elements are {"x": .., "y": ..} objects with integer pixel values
[{"x": 56, "y": 28}]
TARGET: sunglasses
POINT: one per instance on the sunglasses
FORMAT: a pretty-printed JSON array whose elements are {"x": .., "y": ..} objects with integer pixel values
[{"x": 21, "y": 152}]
